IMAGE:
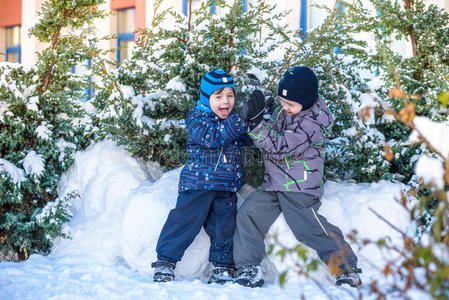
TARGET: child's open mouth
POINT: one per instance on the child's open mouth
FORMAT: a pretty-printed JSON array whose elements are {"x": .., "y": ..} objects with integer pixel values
[{"x": 225, "y": 111}]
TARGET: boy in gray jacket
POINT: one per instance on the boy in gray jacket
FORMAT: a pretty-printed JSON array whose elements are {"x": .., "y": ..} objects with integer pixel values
[{"x": 293, "y": 145}]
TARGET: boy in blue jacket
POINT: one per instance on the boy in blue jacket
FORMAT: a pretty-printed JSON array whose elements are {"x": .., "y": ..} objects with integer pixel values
[{"x": 209, "y": 181}]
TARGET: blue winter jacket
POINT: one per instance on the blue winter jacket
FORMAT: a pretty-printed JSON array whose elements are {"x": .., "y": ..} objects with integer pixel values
[{"x": 214, "y": 150}]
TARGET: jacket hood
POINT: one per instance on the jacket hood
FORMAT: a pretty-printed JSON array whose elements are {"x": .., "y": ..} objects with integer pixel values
[
  {"x": 196, "y": 113},
  {"x": 319, "y": 112}
]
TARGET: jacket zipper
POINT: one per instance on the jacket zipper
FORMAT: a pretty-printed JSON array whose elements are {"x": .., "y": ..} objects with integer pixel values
[{"x": 224, "y": 159}]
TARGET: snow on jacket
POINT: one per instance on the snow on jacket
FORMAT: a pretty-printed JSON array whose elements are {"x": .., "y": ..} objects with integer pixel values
[
  {"x": 214, "y": 150},
  {"x": 294, "y": 148}
]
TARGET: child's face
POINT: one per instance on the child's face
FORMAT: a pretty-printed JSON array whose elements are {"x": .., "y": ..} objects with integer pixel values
[
  {"x": 290, "y": 107},
  {"x": 222, "y": 103}
]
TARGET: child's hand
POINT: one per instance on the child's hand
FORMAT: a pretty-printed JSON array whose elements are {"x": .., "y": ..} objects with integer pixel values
[{"x": 253, "y": 109}]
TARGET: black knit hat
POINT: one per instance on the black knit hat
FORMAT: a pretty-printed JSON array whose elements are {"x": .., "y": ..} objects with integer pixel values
[{"x": 299, "y": 84}]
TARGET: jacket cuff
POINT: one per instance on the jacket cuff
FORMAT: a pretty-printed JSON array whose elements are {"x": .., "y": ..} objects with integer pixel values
[{"x": 257, "y": 132}]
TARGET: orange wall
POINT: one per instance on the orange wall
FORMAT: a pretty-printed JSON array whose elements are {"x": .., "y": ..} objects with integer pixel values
[
  {"x": 120, "y": 4},
  {"x": 140, "y": 14},
  {"x": 138, "y": 4},
  {"x": 10, "y": 12}
]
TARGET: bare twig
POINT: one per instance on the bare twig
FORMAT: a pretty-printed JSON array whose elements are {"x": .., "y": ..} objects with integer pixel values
[
  {"x": 54, "y": 42},
  {"x": 190, "y": 15},
  {"x": 388, "y": 222}
]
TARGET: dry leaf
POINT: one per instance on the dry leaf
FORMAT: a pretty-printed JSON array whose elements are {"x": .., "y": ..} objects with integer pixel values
[
  {"x": 390, "y": 113},
  {"x": 407, "y": 114},
  {"x": 395, "y": 92},
  {"x": 403, "y": 199},
  {"x": 334, "y": 265},
  {"x": 412, "y": 192},
  {"x": 386, "y": 270},
  {"x": 366, "y": 113},
  {"x": 388, "y": 154},
  {"x": 408, "y": 243}
]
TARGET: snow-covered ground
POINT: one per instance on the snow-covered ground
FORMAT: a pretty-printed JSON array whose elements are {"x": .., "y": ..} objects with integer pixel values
[{"x": 122, "y": 207}]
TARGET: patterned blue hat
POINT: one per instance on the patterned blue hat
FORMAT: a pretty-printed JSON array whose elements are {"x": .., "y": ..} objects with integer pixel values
[{"x": 212, "y": 81}]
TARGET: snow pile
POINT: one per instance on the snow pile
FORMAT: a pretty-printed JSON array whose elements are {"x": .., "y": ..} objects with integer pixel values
[
  {"x": 117, "y": 219},
  {"x": 121, "y": 211},
  {"x": 103, "y": 175},
  {"x": 145, "y": 215},
  {"x": 350, "y": 206}
]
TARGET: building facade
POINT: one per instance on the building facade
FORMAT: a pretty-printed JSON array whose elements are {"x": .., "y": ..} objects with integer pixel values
[{"x": 18, "y": 16}]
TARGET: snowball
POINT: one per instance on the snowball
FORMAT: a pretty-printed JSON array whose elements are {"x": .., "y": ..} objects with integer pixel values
[{"x": 441, "y": 253}]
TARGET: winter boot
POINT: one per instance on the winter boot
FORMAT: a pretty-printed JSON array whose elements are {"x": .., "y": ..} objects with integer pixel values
[
  {"x": 164, "y": 271},
  {"x": 250, "y": 276},
  {"x": 221, "y": 275},
  {"x": 350, "y": 277}
]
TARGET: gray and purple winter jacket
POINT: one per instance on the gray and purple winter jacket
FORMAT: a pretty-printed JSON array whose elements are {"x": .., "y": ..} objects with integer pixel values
[{"x": 294, "y": 148}]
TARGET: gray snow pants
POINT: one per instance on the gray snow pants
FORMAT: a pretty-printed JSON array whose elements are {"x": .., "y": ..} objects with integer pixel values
[{"x": 262, "y": 208}]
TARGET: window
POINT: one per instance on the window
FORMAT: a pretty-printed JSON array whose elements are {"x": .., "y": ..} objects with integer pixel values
[
  {"x": 82, "y": 68},
  {"x": 126, "y": 24},
  {"x": 13, "y": 51},
  {"x": 339, "y": 6},
  {"x": 245, "y": 5},
  {"x": 303, "y": 16},
  {"x": 195, "y": 5}
]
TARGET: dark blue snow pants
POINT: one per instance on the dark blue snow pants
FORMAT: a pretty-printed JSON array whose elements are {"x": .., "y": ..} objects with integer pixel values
[{"x": 215, "y": 210}]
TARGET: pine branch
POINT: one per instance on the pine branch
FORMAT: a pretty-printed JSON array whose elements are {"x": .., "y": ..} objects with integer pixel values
[
  {"x": 411, "y": 30},
  {"x": 54, "y": 42}
]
